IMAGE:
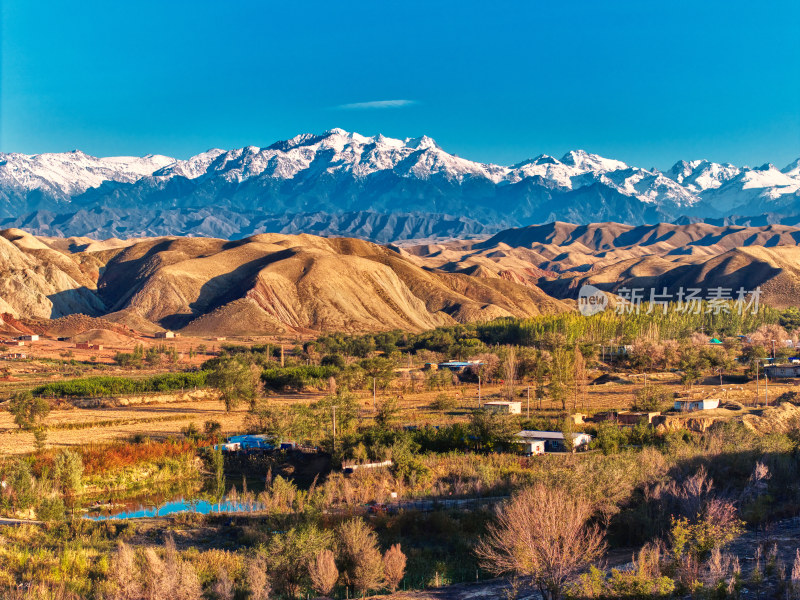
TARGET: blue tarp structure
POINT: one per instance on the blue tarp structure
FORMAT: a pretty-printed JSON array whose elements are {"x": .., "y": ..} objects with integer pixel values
[{"x": 247, "y": 442}]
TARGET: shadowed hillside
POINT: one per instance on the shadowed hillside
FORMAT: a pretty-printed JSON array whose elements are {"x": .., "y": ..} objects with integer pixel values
[{"x": 560, "y": 257}]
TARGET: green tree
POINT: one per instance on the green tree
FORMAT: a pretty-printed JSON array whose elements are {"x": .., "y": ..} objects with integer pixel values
[
  {"x": 236, "y": 382},
  {"x": 346, "y": 406},
  {"x": 21, "y": 485},
  {"x": 50, "y": 509},
  {"x": 29, "y": 411},
  {"x": 693, "y": 364},
  {"x": 651, "y": 398},
  {"x": 493, "y": 430},
  {"x": 561, "y": 375},
  {"x": 212, "y": 430},
  {"x": 218, "y": 467},
  {"x": 68, "y": 472},
  {"x": 382, "y": 369},
  {"x": 568, "y": 429},
  {"x": 289, "y": 554},
  {"x": 609, "y": 437},
  {"x": 388, "y": 413}
]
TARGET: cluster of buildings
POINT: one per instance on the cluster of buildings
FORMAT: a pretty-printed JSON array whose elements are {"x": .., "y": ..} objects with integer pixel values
[
  {"x": 20, "y": 341},
  {"x": 16, "y": 343}
]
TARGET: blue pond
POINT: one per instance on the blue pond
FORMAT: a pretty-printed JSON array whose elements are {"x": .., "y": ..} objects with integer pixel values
[{"x": 174, "y": 507}]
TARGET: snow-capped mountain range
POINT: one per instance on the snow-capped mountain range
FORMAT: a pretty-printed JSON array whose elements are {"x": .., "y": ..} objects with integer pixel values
[{"x": 339, "y": 172}]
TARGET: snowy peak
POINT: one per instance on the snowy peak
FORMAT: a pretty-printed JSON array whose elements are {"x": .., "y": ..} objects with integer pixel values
[
  {"x": 792, "y": 169},
  {"x": 765, "y": 176},
  {"x": 701, "y": 175},
  {"x": 69, "y": 173},
  {"x": 337, "y": 151},
  {"x": 192, "y": 168},
  {"x": 342, "y": 170},
  {"x": 584, "y": 161},
  {"x": 421, "y": 143}
]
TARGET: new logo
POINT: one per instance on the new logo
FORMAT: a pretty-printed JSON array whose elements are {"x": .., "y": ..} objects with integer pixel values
[{"x": 591, "y": 300}]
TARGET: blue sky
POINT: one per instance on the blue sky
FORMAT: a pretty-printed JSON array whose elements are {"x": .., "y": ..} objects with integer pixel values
[{"x": 645, "y": 82}]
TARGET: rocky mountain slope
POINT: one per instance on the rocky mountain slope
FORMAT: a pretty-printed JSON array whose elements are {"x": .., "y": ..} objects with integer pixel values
[
  {"x": 102, "y": 223},
  {"x": 336, "y": 182},
  {"x": 559, "y": 258}
]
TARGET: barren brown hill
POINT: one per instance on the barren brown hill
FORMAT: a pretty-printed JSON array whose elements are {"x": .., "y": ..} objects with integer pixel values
[
  {"x": 38, "y": 281},
  {"x": 560, "y": 257},
  {"x": 76, "y": 324},
  {"x": 265, "y": 284},
  {"x": 276, "y": 283},
  {"x": 273, "y": 283}
]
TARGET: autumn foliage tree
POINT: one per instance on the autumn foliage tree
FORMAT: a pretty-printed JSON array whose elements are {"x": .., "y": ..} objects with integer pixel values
[
  {"x": 394, "y": 567},
  {"x": 543, "y": 536},
  {"x": 323, "y": 572},
  {"x": 155, "y": 577},
  {"x": 510, "y": 372},
  {"x": 124, "y": 574},
  {"x": 361, "y": 559},
  {"x": 257, "y": 581}
]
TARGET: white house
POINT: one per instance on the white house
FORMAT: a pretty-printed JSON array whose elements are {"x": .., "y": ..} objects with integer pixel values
[
  {"x": 773, "y": 371},
  {"x": 689, "y": 405},
  {"x": 553, "y": 440},
  {"x": 504, "y": 407},
  {"x": 532, "y": 447}
]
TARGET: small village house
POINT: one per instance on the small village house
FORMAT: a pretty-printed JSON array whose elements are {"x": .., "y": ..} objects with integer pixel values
[
  {"x": 88, "y": 346},
  {"x": 634, "y": 418},
  {"x": 782, "y": 371},
  {"x": 531, "y": 447},
  {"x": 164, "y": 335},
  {"x": 504, "y": 407},
  {"x": 553, "y": 441},
  {"x": 692, "y": 404}
]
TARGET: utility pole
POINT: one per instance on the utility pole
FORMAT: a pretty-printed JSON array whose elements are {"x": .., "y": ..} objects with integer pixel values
[
  {"x": 334, "y": 428},
  {"x": 282, "y": 363},
  {"x": 529, "y": 402},
  {"x": 374, "y": 391},
  {"x": 479, "y": 391},
  {"x": 766, "y": 389},
  {"x": 756, "y": 383}
]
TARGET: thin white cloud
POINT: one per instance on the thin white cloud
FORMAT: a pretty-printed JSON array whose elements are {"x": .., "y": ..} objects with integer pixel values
[{"x": 376, "y": 104}]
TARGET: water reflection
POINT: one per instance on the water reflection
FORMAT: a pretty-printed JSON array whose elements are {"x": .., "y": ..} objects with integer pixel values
[{"x": 174, "y": 507}]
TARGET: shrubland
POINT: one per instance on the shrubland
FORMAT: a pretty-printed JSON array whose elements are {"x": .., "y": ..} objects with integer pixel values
[{"x": 680, "y": 498}]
